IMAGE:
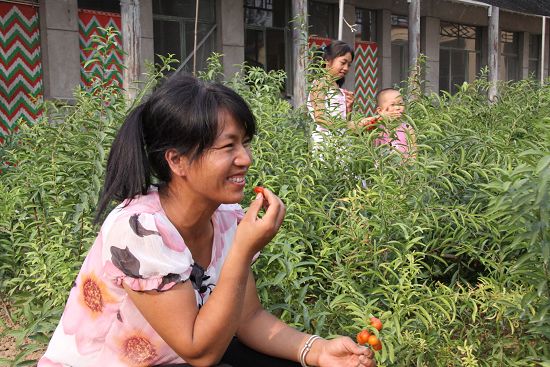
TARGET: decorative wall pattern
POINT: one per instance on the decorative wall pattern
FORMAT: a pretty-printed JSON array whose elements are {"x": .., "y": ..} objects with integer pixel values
[
  {"x": 366, "y": 73},
  {"x": 90, "y": 23},
  {"x": 20, "y": 66},
  {"x": 366, "y": 76}
]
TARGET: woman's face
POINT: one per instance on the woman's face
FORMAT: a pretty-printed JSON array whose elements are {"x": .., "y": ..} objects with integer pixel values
[
  {"x": 218, "y": 176},
  {"x": 339, "y": 66}
]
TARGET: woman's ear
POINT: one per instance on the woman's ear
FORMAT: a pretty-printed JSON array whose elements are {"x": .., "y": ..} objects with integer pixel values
[{"x": 177, "y": 162}]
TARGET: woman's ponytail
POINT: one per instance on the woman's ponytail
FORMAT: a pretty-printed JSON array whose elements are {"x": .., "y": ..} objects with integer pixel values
[{"x": 128, "y": 172}]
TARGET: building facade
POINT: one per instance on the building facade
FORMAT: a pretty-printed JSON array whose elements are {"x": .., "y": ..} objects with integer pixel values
[{"x": 44, "y": 43}]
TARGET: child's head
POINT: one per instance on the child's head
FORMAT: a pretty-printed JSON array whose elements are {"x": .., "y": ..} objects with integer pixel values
[
  {"x": 338, "y": 56},
  {"x": 390, "y": 102}
]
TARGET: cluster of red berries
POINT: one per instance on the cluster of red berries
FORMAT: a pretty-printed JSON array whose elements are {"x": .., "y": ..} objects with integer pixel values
[{"x": 365, "y": 337}]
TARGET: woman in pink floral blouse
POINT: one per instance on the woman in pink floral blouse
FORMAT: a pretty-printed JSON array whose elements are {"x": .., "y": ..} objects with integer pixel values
[{"x": 168, "y": 279}]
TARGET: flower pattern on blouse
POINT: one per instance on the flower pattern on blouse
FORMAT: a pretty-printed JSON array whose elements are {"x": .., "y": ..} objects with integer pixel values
[{"x": 137, "y": 247}]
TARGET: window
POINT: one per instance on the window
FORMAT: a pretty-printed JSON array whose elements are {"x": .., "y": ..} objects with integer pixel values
[
  {"x": 174, "y": 30},
  {"x": 265, "y": 13},
  {"x": 459, "y": 55},
  {"x": 366, "y": 22},
  {"x": 399, "y": 49},
  {"x": 321, "y": 19},
  {"x": 266, "y": 35},
  {"x": 535, "y": 41},
  {"x": 111, "y": 6},
  {"x": 509, "y": 56}
]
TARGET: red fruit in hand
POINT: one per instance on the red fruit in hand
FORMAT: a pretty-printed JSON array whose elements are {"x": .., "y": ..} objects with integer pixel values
[
  {"x": 259, "y": 190},
  {"x": 373, "y": 340},
  {"x": 376, "y": 323},
  {"x": 363, "y": 337},
  {"x": 378, "y": 346}
]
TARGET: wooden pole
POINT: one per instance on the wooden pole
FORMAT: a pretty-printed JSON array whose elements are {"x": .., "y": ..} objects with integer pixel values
[
  {"x": 299, "y": 54},
  {"x": 414, "y": 39},
  {"x": 195, "y": 40},
  {"x": 340, "y": 19},
  {"x": 542, "y": 50},
  {"x": 131, "y": 44},
  {"x": 494, "y": 35}
]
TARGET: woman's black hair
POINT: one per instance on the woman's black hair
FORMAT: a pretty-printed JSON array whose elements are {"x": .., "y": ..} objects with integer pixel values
[
  {"x": 183, "y": 113},
  {"x": 336, "y": 49}
]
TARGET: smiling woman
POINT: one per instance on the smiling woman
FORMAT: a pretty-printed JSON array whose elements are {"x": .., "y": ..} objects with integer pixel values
[{"x": 145, "y": 293}]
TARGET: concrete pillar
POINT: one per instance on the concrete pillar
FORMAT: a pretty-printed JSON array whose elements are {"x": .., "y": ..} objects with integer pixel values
[
  {"x": 429, "y": 46},
  {"x": 523, "y": 55},
  {"x": 299, "y": 52},
  {"x": 349, "y": 38},
  {"x": 383, "y": 21},
  {"x": 414, "y": 34},
  {"x": 493, "y": 51},
  {"x": 147, "y": 36},
  {"x": 59, "y": 47},
  {"x": 231, "y": 35}
]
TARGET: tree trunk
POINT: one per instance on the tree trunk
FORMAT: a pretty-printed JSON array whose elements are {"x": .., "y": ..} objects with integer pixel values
[
  {"x": 131, "y": 44},
  {"x": 493, "y": 52},
  {"x": 299, "y": 54},
  {"x": 414, "y": 46}
]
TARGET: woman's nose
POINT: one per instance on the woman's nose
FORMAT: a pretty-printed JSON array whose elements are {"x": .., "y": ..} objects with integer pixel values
[{"x": 244, "y": 157}]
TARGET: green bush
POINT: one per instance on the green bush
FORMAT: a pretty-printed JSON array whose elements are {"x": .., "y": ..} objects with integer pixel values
[{"x": 450, "y": 250}]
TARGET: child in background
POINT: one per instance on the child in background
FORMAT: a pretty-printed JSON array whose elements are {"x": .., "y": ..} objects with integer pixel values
[{"x": 389, "y": 108}]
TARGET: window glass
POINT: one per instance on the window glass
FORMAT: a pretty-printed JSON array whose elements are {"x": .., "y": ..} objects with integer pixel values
[
  {"x": 264, "y": 13},
  {"x": 535, "y": 41},
  {"x": 167, "y": 45},
  {"x": 111, "y": 6},
  {"x": 366, "y": 24},
  {"x": 266, "y": 28},
  {"x": 509, "y": 57},
  {"x": 254, "y": 51},
  {"x": 399, "y": 49},
  {"x": 322, "y": 19},
  {"x": 275, "y": 53},
  {"x": 459, "y": 55},
  {"x": 185, "y": 9},
  {"x": 445, "y": 69},
  {"x": 174, "y": 31}
]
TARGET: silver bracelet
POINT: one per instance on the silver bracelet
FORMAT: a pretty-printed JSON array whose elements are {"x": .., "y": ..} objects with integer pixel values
[{"x": 306, "y": 348}]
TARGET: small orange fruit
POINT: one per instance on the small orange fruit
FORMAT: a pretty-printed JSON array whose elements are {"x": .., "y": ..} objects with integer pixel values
[
  {"x": 378, "y": 346},
  {"x": 373, "y": 340},
  {"x": 363, "y": 337},
  {"x": 376, "y": 323}
]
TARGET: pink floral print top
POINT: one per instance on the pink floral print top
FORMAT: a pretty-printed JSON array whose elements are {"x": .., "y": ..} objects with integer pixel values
[
  {"x": 398, "y": 139},
  {"x": 138, "y": 246}
]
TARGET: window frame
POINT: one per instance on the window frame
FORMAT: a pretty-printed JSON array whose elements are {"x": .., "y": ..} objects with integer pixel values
[
  {"x": 287, "y": 37},
  {"x": 454, "y": 50},
  {"x": 403, "y": 46},
  {"x": 360, "y": 21},
  {"x": 510, "y": 56},
  {"x": 182, "y": 30}
]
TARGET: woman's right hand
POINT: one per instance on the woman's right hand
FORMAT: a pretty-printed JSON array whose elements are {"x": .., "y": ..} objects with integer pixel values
[{"x": 254, "y": 233}]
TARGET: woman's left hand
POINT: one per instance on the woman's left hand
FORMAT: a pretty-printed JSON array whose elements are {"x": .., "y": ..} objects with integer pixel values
[{"x": 343, "y": 352}]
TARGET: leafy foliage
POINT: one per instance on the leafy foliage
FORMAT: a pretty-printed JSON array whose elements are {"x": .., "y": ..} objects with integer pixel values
[{"x": 451, "y": 250}]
